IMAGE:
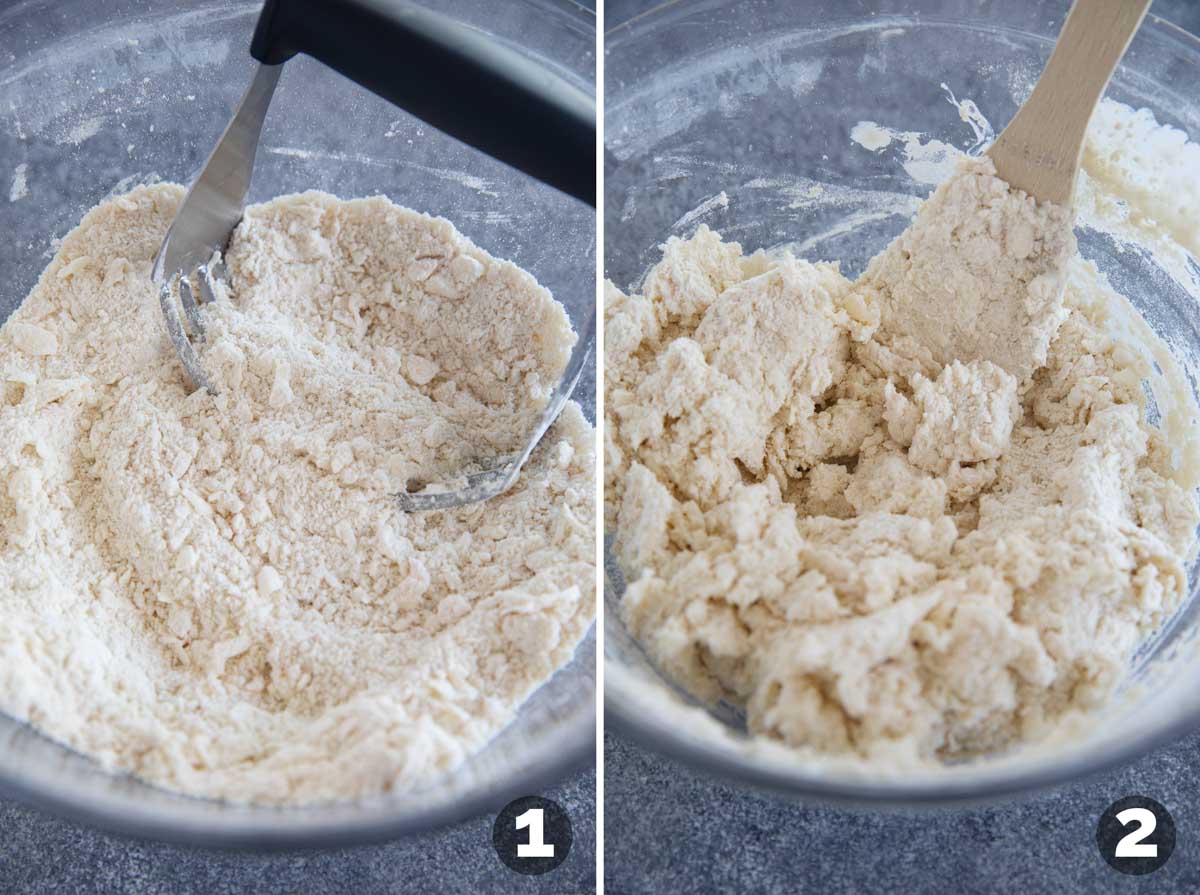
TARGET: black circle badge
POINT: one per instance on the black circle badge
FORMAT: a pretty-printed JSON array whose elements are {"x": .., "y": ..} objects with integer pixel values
[
  {"x": 1136, "y": 835},
  {"x": 532, "y": 835}
]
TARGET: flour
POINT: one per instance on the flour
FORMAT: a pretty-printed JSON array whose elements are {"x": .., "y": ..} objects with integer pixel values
[
  {"x": 1151, "y": 167},
  {"x": 872, "y": 136},
  {"x": 219, "y": 594},
  {"x": 20, "y": 183},
  {"x": 906, "y": 519}
]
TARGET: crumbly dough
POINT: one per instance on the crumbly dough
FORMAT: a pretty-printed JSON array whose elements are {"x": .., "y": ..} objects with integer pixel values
[
  {"x": 219, "y": 594},
  {"x": 884, "y": 532},
  {"x": 979, "y": 277}
]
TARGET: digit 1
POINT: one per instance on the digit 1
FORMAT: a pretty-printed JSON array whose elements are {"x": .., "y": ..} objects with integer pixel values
[{"x": 535, "y": 847}]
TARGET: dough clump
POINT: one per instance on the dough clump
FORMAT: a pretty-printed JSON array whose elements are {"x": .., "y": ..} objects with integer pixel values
[
  {"x": 219, "y": 594},
  {"x": 882, "y": 530}
]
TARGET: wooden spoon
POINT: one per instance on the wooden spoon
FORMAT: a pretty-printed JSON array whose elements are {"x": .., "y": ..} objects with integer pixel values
[{"x": 1039, "y": 151}]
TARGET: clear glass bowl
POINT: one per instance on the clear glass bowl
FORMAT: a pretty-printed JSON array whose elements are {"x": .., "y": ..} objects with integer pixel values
[
  {"x": 757, "y": 100},
  {"x": 96, "y": 97}
]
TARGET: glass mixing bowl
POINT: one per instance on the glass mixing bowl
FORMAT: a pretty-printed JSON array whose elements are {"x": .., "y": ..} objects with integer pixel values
[
  {"x": 739, "y": 115},
  {"x": 97, "y": 97}
]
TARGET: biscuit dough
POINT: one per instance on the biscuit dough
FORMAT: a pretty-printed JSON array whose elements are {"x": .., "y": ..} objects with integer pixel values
[
  {"x": 219, "y": 594},
  {"x": 914, "y": 517}
]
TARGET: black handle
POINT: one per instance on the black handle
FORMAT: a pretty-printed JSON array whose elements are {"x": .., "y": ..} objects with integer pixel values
[{"x": 449, "y": 75}]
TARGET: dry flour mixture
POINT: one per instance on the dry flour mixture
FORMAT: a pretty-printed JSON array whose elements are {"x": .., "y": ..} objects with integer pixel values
[
  {"x": 219, "y": 594},
  {"x": 913, "y": 517}
]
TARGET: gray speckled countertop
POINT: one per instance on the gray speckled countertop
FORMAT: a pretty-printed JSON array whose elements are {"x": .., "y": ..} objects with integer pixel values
[
  {"x": 671, "y": 829},
  {"x": 40, "y": 854}
]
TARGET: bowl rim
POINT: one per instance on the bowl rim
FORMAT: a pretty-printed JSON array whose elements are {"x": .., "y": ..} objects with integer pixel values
[
  {"x": 246, "y": 831},
  {"x": 656, "y": 17},
  {"x": 952, "y": 791}
]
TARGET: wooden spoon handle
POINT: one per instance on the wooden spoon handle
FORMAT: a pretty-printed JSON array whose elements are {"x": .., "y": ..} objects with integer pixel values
[{"x": 1040, "y": 149}]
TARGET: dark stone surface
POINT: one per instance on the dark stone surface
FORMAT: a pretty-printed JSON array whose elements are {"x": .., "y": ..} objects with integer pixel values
[
  {"x": 670, "y": 829},
  {"x": 40, "y": 854}
]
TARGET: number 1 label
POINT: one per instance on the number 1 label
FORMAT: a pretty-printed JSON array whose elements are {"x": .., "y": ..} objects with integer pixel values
[
  {"x": 532, "y": 835},
  {"x": 535, "y": 847}
]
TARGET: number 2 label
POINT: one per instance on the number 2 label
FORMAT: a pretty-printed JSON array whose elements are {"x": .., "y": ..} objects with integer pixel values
[
  {"x": 1131, "y": 845},
  {"x": 1136, "y": 835}
]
